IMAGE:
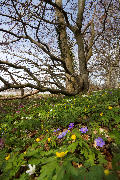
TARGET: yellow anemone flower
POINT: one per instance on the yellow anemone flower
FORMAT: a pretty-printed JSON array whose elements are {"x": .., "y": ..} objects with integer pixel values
[
  {"x": 7, "y": 157},
  {"x": 109, "y": 107},
  {"x": 73, "y": 137},
  {"x": 106, "y": 171},
  {"x": 101, "y": 114},
  {"x": 49, "y": 139},
  {"x": 37, "y": 140},
  {"x": 61, "y": 154}
]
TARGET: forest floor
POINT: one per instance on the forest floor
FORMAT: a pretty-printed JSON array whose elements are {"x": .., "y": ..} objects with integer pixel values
[{"x": 61, "y": 138}]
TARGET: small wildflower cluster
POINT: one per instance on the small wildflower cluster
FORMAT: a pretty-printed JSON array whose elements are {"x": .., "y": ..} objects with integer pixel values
[
  {"x": 56, "y": 130},
  {"x": 71, "y": 125},
  {"x": 98, "y": 141},
  {"x": 62, "y": 134}
]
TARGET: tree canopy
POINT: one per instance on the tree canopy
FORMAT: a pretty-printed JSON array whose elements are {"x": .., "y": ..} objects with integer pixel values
[{"x": 47, "y": 44}]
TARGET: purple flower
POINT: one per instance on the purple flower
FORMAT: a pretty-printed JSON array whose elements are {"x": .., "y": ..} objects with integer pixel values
[
  {"x": 17, "y": 111},
  {"x": 21, "y": 106},
  {"x": 62, "y": 135},
  {"x": 99, "y": 142},
  {"x": 84, "y": 130},
  {"x": 56, "y": 130},
  {"x": 71, "y": 125},
  {"x": 2, "y": 143}
]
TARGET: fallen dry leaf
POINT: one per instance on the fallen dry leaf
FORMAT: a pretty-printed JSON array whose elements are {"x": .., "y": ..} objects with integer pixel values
[{"x": 76, "y": 165}]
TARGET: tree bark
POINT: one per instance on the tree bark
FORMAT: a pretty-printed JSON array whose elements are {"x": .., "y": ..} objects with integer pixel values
[
  {"x": 64, "y": 47},
  {"x": 84, "y": 75},
  {"x": 81, "y": 52},
  {"x": 22, "y": 92}
]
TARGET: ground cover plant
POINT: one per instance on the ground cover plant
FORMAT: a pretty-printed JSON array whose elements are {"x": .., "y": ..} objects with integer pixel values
[{"x": 61, "y": 138}]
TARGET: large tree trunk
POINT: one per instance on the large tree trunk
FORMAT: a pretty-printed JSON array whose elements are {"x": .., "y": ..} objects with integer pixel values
[
  {"x": 84, "y": 75},
  {"x": 83, "y": 84},
  {"x": 81, "y": 53},
  {"x": 64, "y": 47}
]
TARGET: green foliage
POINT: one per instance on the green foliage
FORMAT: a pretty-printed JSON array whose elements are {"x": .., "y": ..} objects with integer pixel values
[{"x": 27, "y": 137}]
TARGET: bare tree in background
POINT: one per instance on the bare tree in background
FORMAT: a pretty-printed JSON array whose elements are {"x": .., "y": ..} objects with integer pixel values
[
  {"x": 48, "y": 44},
  {"x": 106, "y": 58}
]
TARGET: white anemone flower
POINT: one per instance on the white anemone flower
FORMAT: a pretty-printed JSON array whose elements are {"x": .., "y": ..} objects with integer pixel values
[
  {"x": 84, "y": 95},
  {"x": 31, "y": 169}
]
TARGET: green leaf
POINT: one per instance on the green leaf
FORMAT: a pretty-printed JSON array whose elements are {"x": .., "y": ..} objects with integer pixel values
[
  {"x": 91, "y": 158},
  {"x": 111, "y": 177},
  {"x": 60, "y": 173},
  {"x": 95, "y": 173},
  {"x": 48, "y": 171},
  {"x": 72, "y": 147}
]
